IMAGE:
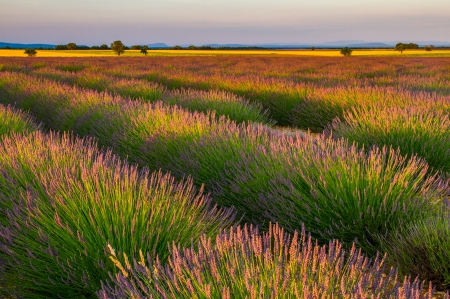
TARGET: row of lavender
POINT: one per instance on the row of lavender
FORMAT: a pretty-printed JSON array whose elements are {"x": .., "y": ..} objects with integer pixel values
[
  {"x": 302, "y": 92},
  {"x": 222, "y": 103},
  {"x": 369, "y": 117},
  {"x": 58, "y": 229},
  {"x": 371, "y": 199}
]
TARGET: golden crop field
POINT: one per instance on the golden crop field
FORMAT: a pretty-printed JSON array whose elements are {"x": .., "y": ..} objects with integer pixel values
[{"x": 328, "y": 53}]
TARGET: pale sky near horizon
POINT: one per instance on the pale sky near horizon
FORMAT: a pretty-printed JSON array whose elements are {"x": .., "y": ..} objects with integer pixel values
[{"x": 94, "y": 22}]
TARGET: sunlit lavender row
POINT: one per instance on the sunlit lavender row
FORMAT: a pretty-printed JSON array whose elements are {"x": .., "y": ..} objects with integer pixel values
[{"x": 307, "y": 92}]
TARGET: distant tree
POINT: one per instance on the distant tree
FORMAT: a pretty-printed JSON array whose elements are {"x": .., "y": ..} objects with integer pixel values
[
  {"x": 191, "y": 47},
  {"x": 7, "y": 47},
  {"x": 104, "y": 47},
  {"x": 313, "y": 48},
  {"x": 95, "y": 48},
  {"x": 412, "y": 46},
  {"x": 177, "y": 48},
  {"x": 144, "y": 50},
  {"x": 61, "y": 47},
  {"x": 118, "y": 47},
  {"x": 431, "y": 47},
  {"x": 136, "y": 47},
  {"x": 427, "y": 48},
  {"x": 400, "y": 47},
  {"x": 346, "y": 51},
  {"x": 30, "y": 52},
  {"x": 71, "y": 46}
]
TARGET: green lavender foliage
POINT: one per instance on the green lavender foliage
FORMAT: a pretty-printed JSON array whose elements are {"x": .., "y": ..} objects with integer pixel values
[
  {"x": 15, "y": 121},
  {"x": 423, "y": 248}
]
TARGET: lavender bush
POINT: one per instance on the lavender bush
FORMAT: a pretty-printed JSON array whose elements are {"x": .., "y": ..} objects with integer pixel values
[
  {"x": 242, "y": 263},
  {"x": 62, "y": 201}
]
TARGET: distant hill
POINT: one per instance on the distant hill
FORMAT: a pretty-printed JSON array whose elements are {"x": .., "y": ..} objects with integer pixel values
[
  {"x": 370, "y": 45},
  {"x": 158, "y": 45},
  {"x": 26, "y": 46}
]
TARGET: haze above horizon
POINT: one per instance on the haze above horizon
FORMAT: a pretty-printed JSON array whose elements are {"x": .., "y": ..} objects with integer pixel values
[{"x": 220, "y": 21}]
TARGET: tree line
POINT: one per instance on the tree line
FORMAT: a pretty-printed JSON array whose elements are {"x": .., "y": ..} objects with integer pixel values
[{"x": 119, "y": 48}]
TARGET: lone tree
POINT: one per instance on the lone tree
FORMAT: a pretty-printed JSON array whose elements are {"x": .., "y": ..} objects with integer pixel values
[
  {"x": 118, "y": 47},
  {"x": 71, "y": 46},
  {"x": 346, "y": 51},
  {"x": 104, "y": 47},
  {"x": 30, "y": 52},
  {"x": 144, "y": 50},
  {"x": 400, "y": 47}
]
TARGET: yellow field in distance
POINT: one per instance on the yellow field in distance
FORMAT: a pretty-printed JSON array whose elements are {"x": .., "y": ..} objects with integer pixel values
[{"x": 329, "y": 53}]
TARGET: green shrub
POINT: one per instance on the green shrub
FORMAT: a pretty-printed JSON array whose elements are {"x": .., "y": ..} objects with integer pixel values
[{"x": 346, "y": 51}]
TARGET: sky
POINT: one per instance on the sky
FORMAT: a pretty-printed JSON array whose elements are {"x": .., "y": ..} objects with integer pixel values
[{"x": 95, "y": 22}]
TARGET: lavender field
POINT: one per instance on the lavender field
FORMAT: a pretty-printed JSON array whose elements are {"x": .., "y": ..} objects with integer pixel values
[{"x": 225, "y": 177}]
